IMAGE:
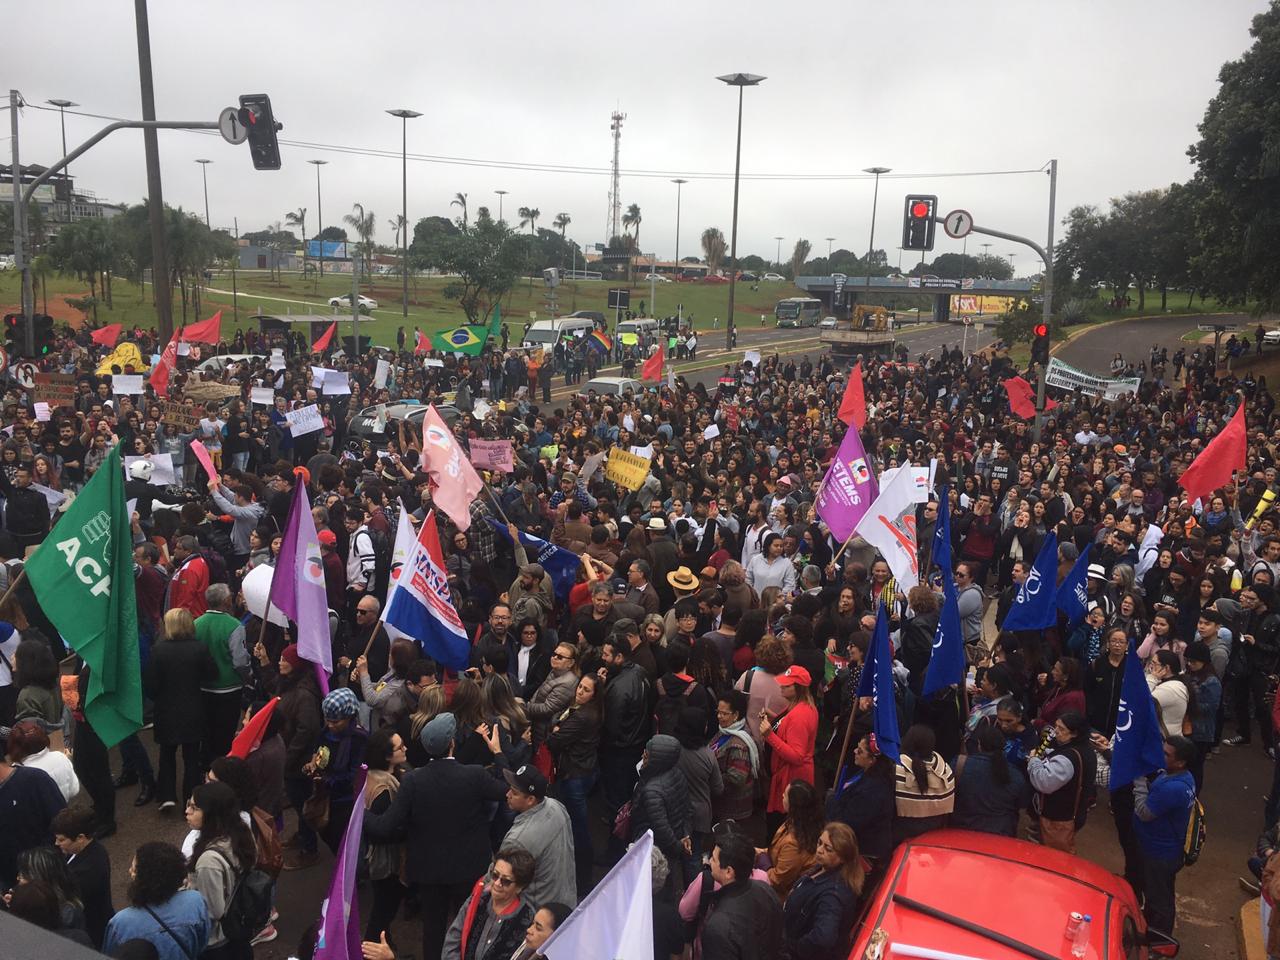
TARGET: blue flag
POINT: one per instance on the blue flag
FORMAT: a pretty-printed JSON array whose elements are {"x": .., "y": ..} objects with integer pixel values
[
  {"x": 1138, "y": 746},
  {"x": 877, "y": 683},
  {"x": 1033, "y": 608},
  {"x": 1073, "y": 595},
  {"x": 560, "y": 564},
  {"x": 942, "y": 533}
]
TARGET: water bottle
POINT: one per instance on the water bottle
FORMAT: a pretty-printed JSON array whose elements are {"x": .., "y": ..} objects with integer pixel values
[{"x": 1081, "y": 943}]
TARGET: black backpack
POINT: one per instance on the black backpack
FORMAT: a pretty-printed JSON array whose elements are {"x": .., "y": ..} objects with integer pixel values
[
  {"x": 381, "y": 561},
  {"x": 249, "y": 909}
]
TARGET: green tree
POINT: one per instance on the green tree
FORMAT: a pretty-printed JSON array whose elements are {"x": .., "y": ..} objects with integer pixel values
[
  {"x": 1238, "y": 159},
  {"x": 529, "y": 217},
  {"x": 426, "y": 232},
  {"x": 460, "y": 200},
  {"x": 86, "y": 248},
  {"x": 42, "y": 269},
  {"x": 363, "y": 222},
  {"x": 561, "y": 222},
  {"x": 713, "y": 248},
  {"x": 332, "y": 235},
  {"x": 798, "y": 257},
  {"x": 486, "y": 262},
  {"x": 298, "y": 218}
]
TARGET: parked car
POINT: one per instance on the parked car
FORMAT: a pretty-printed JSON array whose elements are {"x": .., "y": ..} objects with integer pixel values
[
  {"x": 344, "y": 300},
  {"x": 927, "y": 900},
  {"x": 828, "y": 323},
  {"x": 714, "y": 278},
  {"x": 613, "y": 386},
  {"x": 362, "y": 429},
  {"x": 1271, "y": 336},
  {"x": 746, "y": 277},
  {"x": 773, "y": 277},
  {"x": 660, "y": 277}
]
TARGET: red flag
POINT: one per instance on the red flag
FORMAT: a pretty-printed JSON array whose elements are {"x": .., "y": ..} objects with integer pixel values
[
  {"x": 455, "y": 482},
  {"x": 168, "y": 363},
  {"x": 322, "y": 343},
  {"x": 652, "y": 369},
  {"x": 206, "y": 331},
  {"x": 853, "y": 408},
  {"x": 250, "y": 736},
  {"x": 1223, "y": 456},
  {"x": 106, "y": 336},
  {"x": 422, "y": 345},
  {"x": 1022, "y": 399}
]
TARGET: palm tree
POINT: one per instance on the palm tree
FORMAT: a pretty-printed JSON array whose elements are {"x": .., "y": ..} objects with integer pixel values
[
  {"x": 363, "y": 223},
  {"x": 799, "y": 256},
  {"x": 561, "y": 222},
  {"x": 397, "y": 223},
  {"x": 41, "y": 270},
  {"x": 460, "y": 200},
  {"x": 632, "y": 218},
  {"x": 713, "y": 248},
  {"x": 298, "y": 218},
  {"x": 529, "y": 215}
]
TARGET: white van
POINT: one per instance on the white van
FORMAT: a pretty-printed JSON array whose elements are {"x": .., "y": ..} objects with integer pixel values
[
  {"x": 644, "y": 326},
  {"x": 545, "y": 333}
]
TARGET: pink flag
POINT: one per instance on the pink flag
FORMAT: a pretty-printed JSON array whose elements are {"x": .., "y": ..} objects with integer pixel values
[
  {"x": 454, "y": 482},
  {"x": 848, "y": 489},
  {"x": 202, "y": 454},
  {"x": 340, "y": 912},
  {"x": 297, "y": 584}
]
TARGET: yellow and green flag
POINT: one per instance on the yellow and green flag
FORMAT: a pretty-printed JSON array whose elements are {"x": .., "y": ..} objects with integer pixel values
[
  {"x": 83, "y": 577},
  {"x": 469, "y": 340}
]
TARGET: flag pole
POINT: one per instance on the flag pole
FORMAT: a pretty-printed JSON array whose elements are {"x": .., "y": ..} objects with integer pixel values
[{"x": 848, "y": 735}]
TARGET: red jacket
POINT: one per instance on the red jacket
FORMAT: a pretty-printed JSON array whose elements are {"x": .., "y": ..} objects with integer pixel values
[
  {"x": 188, "y": 585},
  {"x": 792, "y": 746}
]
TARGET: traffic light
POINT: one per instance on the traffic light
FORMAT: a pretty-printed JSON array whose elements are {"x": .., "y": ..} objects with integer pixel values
[
  {"x": 15, "y": 332},
  {"x": 917, "y": 222},
  {"x": 1040, "y": 344},
  {"x": 256, "y": 116}
]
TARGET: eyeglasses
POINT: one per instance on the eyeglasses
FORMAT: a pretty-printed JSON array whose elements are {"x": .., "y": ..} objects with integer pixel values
[
  {"x": 363, "y": 613},
  {"x": 502, "y": 879},
  {"x": 560, "y": 656}
]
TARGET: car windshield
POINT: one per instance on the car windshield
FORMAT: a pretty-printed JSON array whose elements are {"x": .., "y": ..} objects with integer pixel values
[
  {"x": 540, "y": 336},
  {"x": 788, "y": 309}
]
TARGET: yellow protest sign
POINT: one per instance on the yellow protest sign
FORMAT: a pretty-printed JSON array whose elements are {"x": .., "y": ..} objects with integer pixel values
[
  {"x": 626, "y": 469},
  {"x": 125, "y": 356},
  {"x": 629, "y": 339}
]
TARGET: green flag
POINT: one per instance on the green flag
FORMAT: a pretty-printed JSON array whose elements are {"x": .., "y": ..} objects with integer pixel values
[
  {"x": 83, "y": 577},
  {"x": 495, "y": 325}
]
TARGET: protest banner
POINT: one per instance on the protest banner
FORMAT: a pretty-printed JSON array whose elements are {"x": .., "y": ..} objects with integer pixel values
[
  {"x": 126, "y": 384},
  {"x": 181, "y": 416},
  {"x": 55, "y": 389},
  {"x": 492, "y": 455},
  {"x": 304, "y": 420},
  {"x": 264, "y": 396},
  {"x": 1066, "y": 377},
  {"x": 626, "y": 469}
]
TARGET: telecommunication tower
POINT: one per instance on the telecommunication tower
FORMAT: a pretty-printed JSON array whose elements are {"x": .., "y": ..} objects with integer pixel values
[{"x": 615, "y": 196}]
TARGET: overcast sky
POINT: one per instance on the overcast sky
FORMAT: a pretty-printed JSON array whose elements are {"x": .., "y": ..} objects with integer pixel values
[{"x": 1112, "y": 90}]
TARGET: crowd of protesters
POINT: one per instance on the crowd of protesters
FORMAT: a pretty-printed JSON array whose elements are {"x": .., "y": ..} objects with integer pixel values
[{"x": 698, "y": 681}]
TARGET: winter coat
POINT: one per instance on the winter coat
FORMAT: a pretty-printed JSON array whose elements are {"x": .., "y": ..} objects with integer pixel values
[
  {"x": 173, "y": 677},
  {"x": 553, "y": 695},
  {"x": 300, "y": 718},
  {"x": 817, "y": 917},
  {"x": 574, "y": 741},
  {"x": 983, "y": 804},
  {"x": 702, "y": 774},
  {"x": 661, "y": 799},
  {"x": 743, "y": 922},
  {"x": 917, "y": 646},
  {"x": 867, "y": 805},
  {"x": 792, "y": 745},
  {"x": 787, "y": 860},
  {"x": 627, "y": 712}
]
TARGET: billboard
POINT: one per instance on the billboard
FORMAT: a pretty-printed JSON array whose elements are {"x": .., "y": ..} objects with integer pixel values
[
  {"x": 333, "y": 250},
  {"x": 973, "y": 303}
]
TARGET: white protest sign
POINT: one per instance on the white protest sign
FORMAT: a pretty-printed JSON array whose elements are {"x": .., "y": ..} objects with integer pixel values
[
  {"x": 317, "y": 377},
  {"x": 336, "y": 383},
  {"x": 711, "y": 432},
  {"x": 752, "y": 357},
  {"x": 262, "y": 395},
  {"x": 646, "y": 451},
  {"x": 162, "y": 471},
  {"x": 126, "y": 384},
  {"x": 481, "y": 409},
  {"x": 380, "y": 377},
  {"x": 592, "y": 465},
  {"x": 432, "y": 362},
  {"x": 42, "y": 412},
  {"x": 277, "y": 360},
  {"x": 184, "y": 349},
  {"x": 53, "y": 497},
  {"x": 304, "y": 420}
]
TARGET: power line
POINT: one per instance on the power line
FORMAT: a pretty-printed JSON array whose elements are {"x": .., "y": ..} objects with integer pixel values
[{"x": 584, "y": 170}]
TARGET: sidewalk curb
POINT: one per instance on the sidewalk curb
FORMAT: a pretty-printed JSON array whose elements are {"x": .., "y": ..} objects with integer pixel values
[{"x": 1248, "y": 925}]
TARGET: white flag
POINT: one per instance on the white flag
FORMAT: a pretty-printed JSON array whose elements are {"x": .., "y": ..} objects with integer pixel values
[
  {"x": 890, "y": 525},
  {"x": 616, "y": 919},
  {"x": 405, "y": 539}
]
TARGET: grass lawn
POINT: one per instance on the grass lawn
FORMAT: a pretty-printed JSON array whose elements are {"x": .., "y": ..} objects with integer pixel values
[{"x": 428, "y": 307}]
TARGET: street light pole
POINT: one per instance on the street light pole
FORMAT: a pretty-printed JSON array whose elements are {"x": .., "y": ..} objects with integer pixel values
[
  {"x": 875, "y": 199},
  {"x": 777, "y": 255},
  {"x": 62, "y": 106},
  {"x": 405, "y": 116},
  {"x": 679, "y": 186},
  {"x": 741, "y": 81},
  {"x": 155, "y": 192},
  {"x": 319, "y": 214},
  {"x": 1012, "y": 254},
  {"x": 829, "y": 240},
  {"x": 501, "y": 194},
  {"x": 204, "y": 175}
]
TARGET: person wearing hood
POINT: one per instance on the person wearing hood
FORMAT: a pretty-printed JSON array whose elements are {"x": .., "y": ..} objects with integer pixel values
[
  {"x": 294, "y": 681},
  {"x": 661, "y": 799}
]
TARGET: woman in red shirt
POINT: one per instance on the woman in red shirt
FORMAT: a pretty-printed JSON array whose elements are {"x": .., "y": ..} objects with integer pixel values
[{"x": 791, "y": 740}]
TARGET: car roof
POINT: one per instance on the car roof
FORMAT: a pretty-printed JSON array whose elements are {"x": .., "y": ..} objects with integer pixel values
[
  {"x": 927, "y": 897},
  {"x": 611, "y": 380}
]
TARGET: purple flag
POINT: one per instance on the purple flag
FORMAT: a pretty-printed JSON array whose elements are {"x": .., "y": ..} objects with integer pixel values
[
  {"x": 340, "y": 912},
  {"x": 297, "y": 584},
  {"x": 848, "y": 489}
]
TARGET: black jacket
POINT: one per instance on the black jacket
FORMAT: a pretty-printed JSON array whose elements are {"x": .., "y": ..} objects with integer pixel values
[
  {"x": 744, "y": 922},
  {"x": 300, "y": 718},
  {"x": 983, "y": 804},
  {"x": 867, "y": 805},
  {"x": 539, "y": 666},
  {"x": 173, "y": 678},
  {"x": 818, "y": 916},
  {"x": 444, "y": 811},
  {"x": 1102, "y": 694},
  {"x": 661, "y": 800},
  {"x": 92, "y": 869},
  {"x": 627, "y": 702},
  {"x": 917, "y": 646},
  {"x": 575, "y": 743},
  {"x": 26, "y": 513},
  {"x": 1261, "y": 656}
]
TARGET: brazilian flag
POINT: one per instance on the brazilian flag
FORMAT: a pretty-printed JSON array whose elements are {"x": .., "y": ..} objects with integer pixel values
[{"x": 468, "y": 339}]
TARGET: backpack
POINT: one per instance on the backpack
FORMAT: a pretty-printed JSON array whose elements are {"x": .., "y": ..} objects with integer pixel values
[
  {"x": 249, "y": 908},
  {"x": 381, "y": 561},
  {"x": 666, "y": 713},
  {"x": 1197, "y": 833}
]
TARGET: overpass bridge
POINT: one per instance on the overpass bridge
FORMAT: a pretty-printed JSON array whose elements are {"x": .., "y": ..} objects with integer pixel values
[{"x": 839, "y": 293}]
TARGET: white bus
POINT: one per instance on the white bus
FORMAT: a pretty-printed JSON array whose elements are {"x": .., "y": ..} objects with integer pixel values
[{"x": 798, "y": 312}]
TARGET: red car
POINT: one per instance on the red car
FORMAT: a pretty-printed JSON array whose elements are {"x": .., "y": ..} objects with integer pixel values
[
  {"x": 714, "y": 278},
  {"x": 961, "y": 895}
]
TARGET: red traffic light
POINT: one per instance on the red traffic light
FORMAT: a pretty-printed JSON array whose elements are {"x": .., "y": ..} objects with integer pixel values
[
  {"x": 1041, "y": 330},
  {"x": 920, "y": 209}
]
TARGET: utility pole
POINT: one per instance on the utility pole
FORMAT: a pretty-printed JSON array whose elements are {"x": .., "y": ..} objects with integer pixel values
[
  {"x": 679, "y": 186},
  {"x": 875, "y": 199},
  {"x": 235, "y": 294},
  {"x": 155, "y": 196},
  {"x": 204, "y": 175},
  {"x": 501, "y": 194},
  {"x": 829, "y": 240},
  {"x": 1046, "y": 291},
  {"x": 777, "y": 255},
  {"x": 20, "y": 228},
  {"x": 741, "y": 81},
  {"x": 319, "y": 213},
  {"x": 615, "y": 196}
]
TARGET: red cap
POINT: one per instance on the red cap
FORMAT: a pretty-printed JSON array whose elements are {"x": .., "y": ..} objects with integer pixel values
[
  {"x": 327, "y": 538},
  {"x": 794, "y": 674}
]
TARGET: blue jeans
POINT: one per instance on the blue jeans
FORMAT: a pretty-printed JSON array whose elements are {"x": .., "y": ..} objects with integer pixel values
[
  {"x": 240, "y": 461},
  {"x": 573, "y": 794}
]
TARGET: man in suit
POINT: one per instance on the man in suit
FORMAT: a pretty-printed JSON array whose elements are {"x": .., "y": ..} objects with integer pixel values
[
  {"x": 443, "y": 811},
  {"x": 89, "y": 863}
]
